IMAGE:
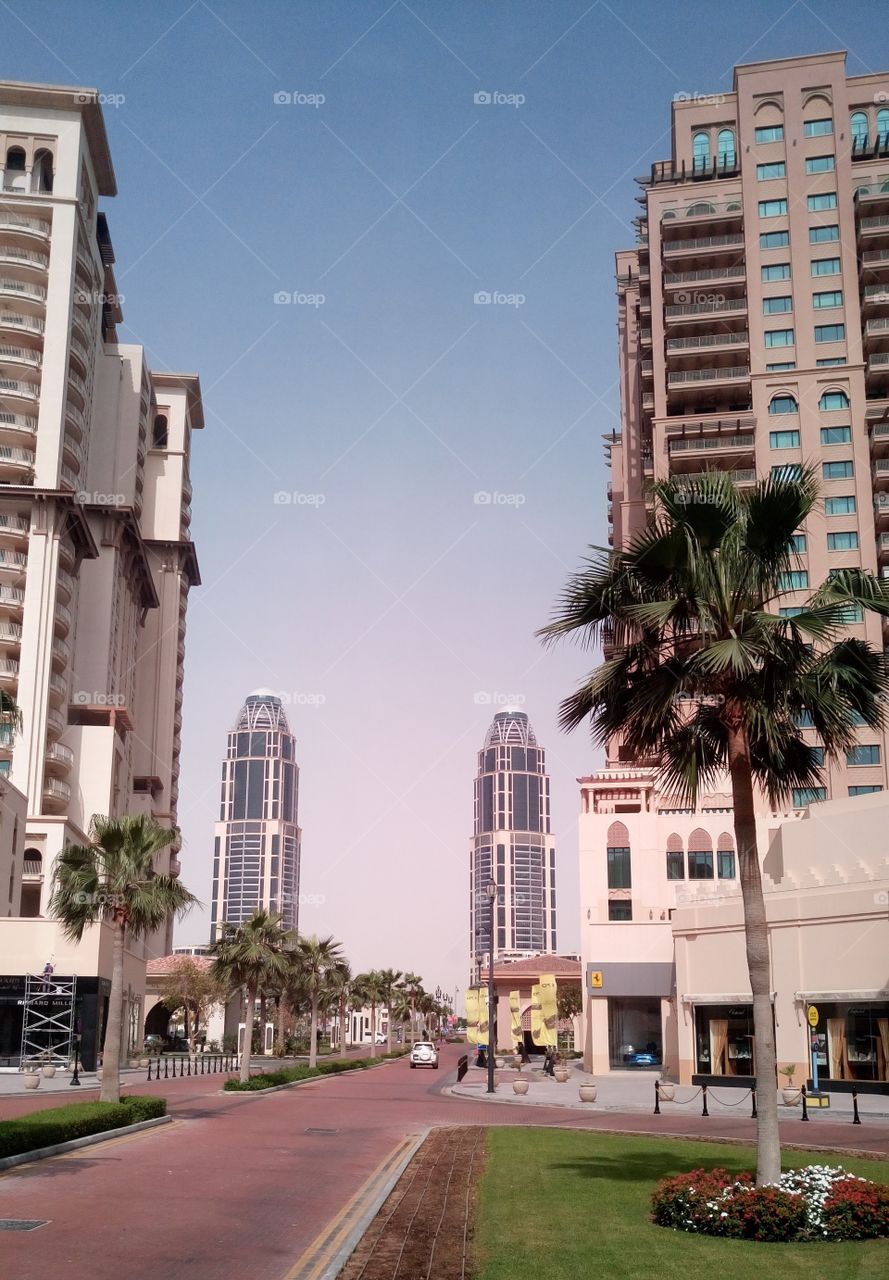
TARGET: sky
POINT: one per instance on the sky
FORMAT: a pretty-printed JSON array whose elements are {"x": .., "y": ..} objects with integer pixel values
[{"x": 383, "y": 234}]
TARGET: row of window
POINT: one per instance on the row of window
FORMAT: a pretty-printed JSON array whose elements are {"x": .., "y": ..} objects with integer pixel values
[
  {"x": 783, "y": 365},
  {"x": 829, "y": 470},
  {"x": 700, "y": 865},
  {"x": 781, "y": 239},
  {"x": 820, "y": 301},
  {"x": 791, "y": 439},
  {"x": 840, "y": 541},
  {"x": 787, "y": 338},
  {"x": 803, "y": 796},
  {"x": 823, "y": 128},
  {"x": 829, "y": 402}
]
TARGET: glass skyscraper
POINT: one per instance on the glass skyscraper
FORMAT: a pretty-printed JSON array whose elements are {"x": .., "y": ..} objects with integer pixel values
[
  {"x": 257, "y": 840},
  {"x": 512, "y": 842}
]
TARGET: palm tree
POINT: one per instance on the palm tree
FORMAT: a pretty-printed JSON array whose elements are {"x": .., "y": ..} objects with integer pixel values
[
  {"x": 316, "y": 958},
  {"x": 401, "y": 1008},
  {"x": 412, "y": 984},
  {"x": 706, "y": 677},
  {"x": 340, "y": 981},
  {"x": 252, "y": 955},
  {"x": 390, "y": 979},
  {"x": 112, "y": 881},
  {"x": 372, "y": 990}
]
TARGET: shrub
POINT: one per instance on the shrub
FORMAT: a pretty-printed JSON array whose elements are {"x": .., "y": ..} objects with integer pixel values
[
  {"x": 856, "y": 1210},
  {"x": 289, "y": 1075},
  {"x": 79, "y": 1120},
  {"x": 768, "y": 1213}
]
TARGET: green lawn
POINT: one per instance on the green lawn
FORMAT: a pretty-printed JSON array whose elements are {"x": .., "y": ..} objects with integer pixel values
[{"x": 567, "y": 1206}]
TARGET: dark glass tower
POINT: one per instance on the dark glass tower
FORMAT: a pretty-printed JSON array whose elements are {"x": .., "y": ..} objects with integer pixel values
[
  {"x": 257, "y": 845},
  {"x": 512, "y": 839}
]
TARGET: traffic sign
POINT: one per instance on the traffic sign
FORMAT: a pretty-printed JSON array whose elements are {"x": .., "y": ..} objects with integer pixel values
[{"x": 812, "y": 1016}]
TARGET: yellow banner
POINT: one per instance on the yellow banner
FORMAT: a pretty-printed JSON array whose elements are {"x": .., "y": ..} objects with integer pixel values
[
  {"x": 483, "y": 1016},
  {"x": 471, "y": 999},
  {"x": 549, "y": 1009},
  {"x": 537, "y": 1028},
  {"x": 516, "y": 1016}
]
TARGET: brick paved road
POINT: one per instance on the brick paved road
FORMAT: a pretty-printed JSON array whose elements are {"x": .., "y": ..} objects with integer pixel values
[{"x": 237, "y": 1188}]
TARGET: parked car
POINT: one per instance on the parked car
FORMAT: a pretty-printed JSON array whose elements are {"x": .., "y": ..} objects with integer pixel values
[
  {"x": 424, "y": 1054},
  {"x": 379, "y": 1038}
]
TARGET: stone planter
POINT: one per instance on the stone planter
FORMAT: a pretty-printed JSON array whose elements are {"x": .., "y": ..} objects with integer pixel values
[
  {"x": 666, "y": 1090},
  {"x": 792, "y": 1097},
  {"x": 588, "y": 1092},
  {"x": 98, "y": 1073},
  {"x": 48, "y": 1070},
  {"x": 143, "y": 1062},
  {"x": 500, "y": 1062},
  {"x": 520, "y": 1087},
  {"x": 561, "y": 1075},
  {"x": 32, "y": 1080}
]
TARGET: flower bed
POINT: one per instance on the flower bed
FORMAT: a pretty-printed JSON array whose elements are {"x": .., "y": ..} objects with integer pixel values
[{"x": 817, "y": 1202}]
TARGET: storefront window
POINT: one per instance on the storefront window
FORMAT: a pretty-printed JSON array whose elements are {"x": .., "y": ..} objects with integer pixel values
[
  {"x": 724, "y": 1040},
  {"x": 634, "y": 1032},
  {"x": 854, "y": 1042}
]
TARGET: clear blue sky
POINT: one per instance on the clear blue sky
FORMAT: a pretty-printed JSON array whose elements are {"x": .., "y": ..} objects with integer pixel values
[{"x": 400, "y": 598}]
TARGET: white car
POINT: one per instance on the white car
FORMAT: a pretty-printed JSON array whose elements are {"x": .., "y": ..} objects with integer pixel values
[{"x": 424, "y": 1054}]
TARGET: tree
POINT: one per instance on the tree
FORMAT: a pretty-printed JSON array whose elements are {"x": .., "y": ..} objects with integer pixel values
[
  {"x": 251, "y": 955},
  {"x": 112, "y": 881},
  {"x": 706, "y": 678},
  {"x": 190, "y": 985},
  {"x": 390, "y": 979},
  {"x": 412, "y": 984},
  {"x": 340, "y": 981},
  {"x": 316, "y": 958},
  {"x": 569, "y": 1000},
  {"x": 400, "y": 1009},
  {"x": 371, "y": 989}
]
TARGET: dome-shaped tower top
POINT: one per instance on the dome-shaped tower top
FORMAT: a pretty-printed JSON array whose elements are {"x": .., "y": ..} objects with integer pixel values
[
  {"x": 511, "y": 726},
  {"x": 262, "y": 710}
]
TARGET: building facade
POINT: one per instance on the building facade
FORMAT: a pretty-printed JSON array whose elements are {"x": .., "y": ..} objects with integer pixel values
[
  {"x": 96, "y": 556},
  {"x": 512, "y": 843},
  {"x": 256, "y": 853}
]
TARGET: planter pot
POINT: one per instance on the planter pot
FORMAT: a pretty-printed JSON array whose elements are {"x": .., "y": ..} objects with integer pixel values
[
  {"x": 32, "y": 1080},
  {"x": 48, "y": 1070},
  {"x": 143, "y": 1062},
  {"x": 520, "y": 1087},
  {"x": 500, "y": 1062},
  {"x": 98, "y": 1073},
  {"x": 588, "y": 1092},
  {"x": 666, "y": 1090},
  {"x": 792, "y": 1097},
  {"x": 561, "y": 1075}
]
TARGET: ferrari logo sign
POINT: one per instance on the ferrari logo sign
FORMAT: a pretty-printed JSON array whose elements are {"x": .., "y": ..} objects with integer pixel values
[{"x": 596, "y": 979}]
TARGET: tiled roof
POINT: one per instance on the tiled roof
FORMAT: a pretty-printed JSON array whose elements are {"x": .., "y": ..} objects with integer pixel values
[
  {"x": 163, "y": 965},
  {"x": 533, "y": 966}
]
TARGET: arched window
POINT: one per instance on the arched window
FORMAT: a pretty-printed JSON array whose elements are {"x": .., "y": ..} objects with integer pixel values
[
  {"x": 882, "y": 126},
  {"x": 700, "y": 855},
  {"x": 834, "y": 400},
  {"x": 858, "y": 125},
  {"x": 702, "y": 206},
  {"x": 675, "y": 858},
  {"x": 618, "y": 852},
  {"x": 668, "y": 213},
  {"x": 725, "y": 856},
  {"x": 159, "y": 432},
  {"x": 700, "y": 151},
  {"x": 15, "y": 177},
  {"x": 725, "y": 149},
  {"x": 33, "y": 862},
  {"x": 41, "y": 177},
  {"x": 783, "y": 404}
]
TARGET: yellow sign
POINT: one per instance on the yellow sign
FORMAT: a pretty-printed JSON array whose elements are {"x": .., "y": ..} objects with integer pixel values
[
  {"x": 596, "y": 978},
  {"x": 812, "y": 1016},
  {"x": 549, "y": 1009},
  {"x": 471, "y": 998},
  {"x": 537, "y": 1029},
  {"x": 515, "y": 1016}
]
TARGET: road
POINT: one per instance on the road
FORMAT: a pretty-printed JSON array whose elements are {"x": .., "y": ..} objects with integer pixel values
[{"x": 240, "y": 1186}]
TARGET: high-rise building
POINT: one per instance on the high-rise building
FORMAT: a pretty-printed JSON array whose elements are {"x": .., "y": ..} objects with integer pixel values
[
  {"x": 257, "y": 838},
  {"x": 96, "y": 557},
  {"x": 512, "y": 842},
  {"x": 753, "y": 336}
]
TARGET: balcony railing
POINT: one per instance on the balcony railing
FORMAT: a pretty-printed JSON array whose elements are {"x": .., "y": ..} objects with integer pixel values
[
  {"x": 23, "y": 390},
  {"x": 876, "y": 293},
  {"x": 884, "y": 542},
  {"x": 14, "y": 524},
  {"x": 686, "y": 445},
  {"x": 15, "y": 560},
  {"x": 36, "y": 292},
  {"x": 704, "y": 209},
  {"x": 18, "y": 222},
  {"x": 706, "y": 308},
  {"x": 871, "y": 224},
  {"x": 880, "y": 325},
  {"x": 717, "y": 273},
  {"x": 26, "y": 257},
  {"x": 698, "y": 341},
  {"x": 18, "y": 458},
  {"x": 19, "y": 423},
  {"x": 56, "y": 790},
  {"x": 21, "y": 355},
  {"x": 743, "y": 476},
  {"x": 726, "y": 165},
  {"x": 704, "y": 242},
  {"x": 875, "y": 257},
  {"x": 708, "y": 375},
  {"x": 879, "y": 360},
  {"x": 881, "y": 502},
  {"x": 12, "y": 320}
]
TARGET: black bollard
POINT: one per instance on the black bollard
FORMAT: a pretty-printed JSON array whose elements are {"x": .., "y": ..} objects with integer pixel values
[
  {"x": 166, "y": 1068},
  {"x": 149, "y": 1068},
  {"x": 704, "y": 1112},
  {"x": 202, "y": 1064},
  {"x": 805, "y": 1114},
  {"x": 189, "y": 1066},
  {"x": 753, "y": 1109},
  {"x": 657, "y": 1098},
  {"x": 856, "y": 1118}
]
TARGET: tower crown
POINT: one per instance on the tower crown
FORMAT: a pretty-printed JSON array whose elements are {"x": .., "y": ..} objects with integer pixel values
[{"x": 511, "y": 727}]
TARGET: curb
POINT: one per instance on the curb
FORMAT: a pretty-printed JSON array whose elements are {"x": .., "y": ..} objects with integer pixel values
[
  {"x": 91, "y": 1140},
  {"x": 294, "y": 1084}
]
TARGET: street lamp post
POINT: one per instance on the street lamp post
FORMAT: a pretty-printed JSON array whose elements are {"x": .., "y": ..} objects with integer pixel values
[
  {"x": 75, "y": 1079},
  {"x": 491, "y": 891}
]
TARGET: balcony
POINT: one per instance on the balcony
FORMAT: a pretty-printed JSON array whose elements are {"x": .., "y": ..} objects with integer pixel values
[
  {"x": 61, "y": 653},
  {"x": 705, "y": 211},
  {"x": 13, "y": 565},
  {"x": 74, "y": 422},
  {"x": 62, "y": 620},
  {"x": 883, "y": 548},
  {"x": 69, "y": 479},
  {"x": 701, "y": 169},
  {"x": 77, "y": 384},
  {"x": 743, "y": 476},
  {"x": 56, "y": 795},
  {"x": 23, "y": 289},
  {"x": 17, "y": 427},
  {"x": 878, "y": 362},
  {"x": 30, "y": 259},
  {"x": 17, "y": 526},
  {"x": 729, "y": 445},
  {"x": 27, "y": 357},
  {"x": 9, "y": 673},
  {"x": 873, "y": 198},
  {"x": 56, "y": 723},
  {"x": 11, "y": 637},
  {"x": 730, "y": 373},
  {"x": 707, "y": 245},
  {"x": 15, "y": 323},
  {"x": 28, "y": 228},
  {"x": 84, "y": 325},
  {"x": 875, "y": 297},
  {"x": 693, "y": 311},
  {"x": 872, "y": 230},
  {"x": 16, "y": 465},
  {"x": 59, "y": 759},
  {"x": 881, "y": 507},
  {"x": 645, "y": 337},
  {"x": 678, "y": 281},
  {"x": 880, "y": 472},
  {"x": 65, "y": 586},
  {"x": 13, "y": 388},
  {"x": 648, "y": 400},
  {"x": 707, "y": 342},
  {"x": 12, "y": 600}
]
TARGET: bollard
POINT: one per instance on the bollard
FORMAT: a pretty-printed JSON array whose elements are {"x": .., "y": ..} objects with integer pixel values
[
  {"x": 189, "y": 1066},
  {"x": 657, "y": 1098},
  {"x": 202, "y": 1064},
  {"x": 149, "y": 1069},
  {"x": 856, "y": 1118},
  {"x": 753, "y": 1109},
  {"x": 704, "y": 1112},
  {"x": 805, "y": 1114},
  {"x": 166, "y": 1068}
]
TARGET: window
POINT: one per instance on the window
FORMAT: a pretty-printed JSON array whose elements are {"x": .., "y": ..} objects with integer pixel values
[
  {"x": 780, "y": 271},
  {"x": 783, "y": 404},
  {"x": 794, "y": 580},
  {"x": 803, "y": 796},
  {"x": 772, "y": 208},
  {"x": 804, "y": 720},
  {"x": 725, "y": 149},
  {"x": 825, "y": 266},
  {"x": 777, "y": 169},
  {"x": 620, "y": 909},
  {"x": 792, "y": 610},
  {"x": 830, "y": 332},
  {"x": 830, "y": 361},
  {"x": 770, "y": 133},
  {"x": 774, "y": 306},
  {"x": 858, "y": 126},
  {"x": 864, "y": 791},
  {"x": 798, "y": 544},
  {"x": 774, "y": 240},
  {"x": 676, "y": 866},
  {"x": 818, "y": 756},
  {"x": 784, "y": 439},
  {"x": 833, "y": 399},
  {"x": 827, "y": 298},
  {"x": 882, "y": 126},
  {"x": 837, "y": 470},
  {"x": 842, "y": 541},
  {"x": 817, "y": 204},
  {"x": 817, "y": 128},
  {"x": 779, "y": 337},
  {"x": 863, "y": 755},
  {"x": 820, "y": 164},
  {"x": 821, "y": 235},
  {"x": 159, "y": 432},
  {"x": 844, "y": 506},
  {"x": 851, "y": 613},
  {"x": 726, "y": 864},
  {"x": 787, "y": 471},
  {"x": 857, "y": 718},
  {"x": 782, "y": 367},
  {"x": 700, "y": 150},
  {"x": 700, "y": 865},
  {"x": 836, "y": 435},
  {"x": 619, "y": 868}
]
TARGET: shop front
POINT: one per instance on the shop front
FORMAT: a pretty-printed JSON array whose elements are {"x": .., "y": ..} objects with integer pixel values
[
  {"x": 725, "y": 1043},
  {"x": 851, "y": 1045}
]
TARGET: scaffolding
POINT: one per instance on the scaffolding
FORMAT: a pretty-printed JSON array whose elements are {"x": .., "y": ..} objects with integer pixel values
[{"x": 48, "y": 1020}]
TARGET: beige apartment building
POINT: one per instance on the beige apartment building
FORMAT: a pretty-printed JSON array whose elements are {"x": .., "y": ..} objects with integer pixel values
[
  {"x": 96, "y": 557},
  {"x": 753, "y": 335}
]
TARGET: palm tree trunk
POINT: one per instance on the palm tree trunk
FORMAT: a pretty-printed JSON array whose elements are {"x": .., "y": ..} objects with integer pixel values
[
  {"x": 110, "y": 1091},
  {"x": 281, "y": 1023},
  {"x": 413, "y": 1020},
  {"x": 248, "y": 1034},
  {"x": 389, "y": 1020},
  {"x": 313, "y": 1034},
  {"x": 768, "y": 1142},
  {"x": 373, "y": 1028},
  {"x": 342, "y": 1016}
]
